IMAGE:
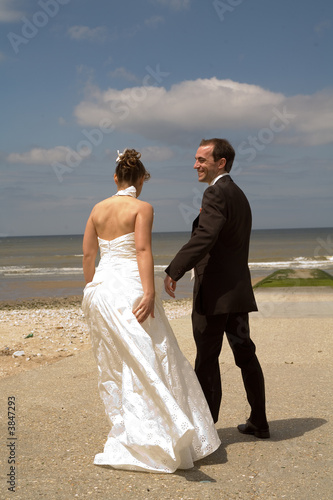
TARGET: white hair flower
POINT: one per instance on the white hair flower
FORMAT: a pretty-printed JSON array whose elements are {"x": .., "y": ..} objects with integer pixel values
[{"x": 120, "y": 155}]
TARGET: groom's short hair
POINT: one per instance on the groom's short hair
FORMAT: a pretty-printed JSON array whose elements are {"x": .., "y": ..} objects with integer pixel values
[{"x": 222, "y": 149}]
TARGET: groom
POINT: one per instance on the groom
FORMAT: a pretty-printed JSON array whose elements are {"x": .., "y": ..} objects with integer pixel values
[{"x": 222, "y": 295}]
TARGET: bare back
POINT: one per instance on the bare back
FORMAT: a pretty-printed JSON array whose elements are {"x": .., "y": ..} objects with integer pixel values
[{"x": 116, "y": 216}]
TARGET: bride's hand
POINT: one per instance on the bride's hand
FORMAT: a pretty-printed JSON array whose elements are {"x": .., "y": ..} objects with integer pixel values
[{"x": 145, "y": 308}]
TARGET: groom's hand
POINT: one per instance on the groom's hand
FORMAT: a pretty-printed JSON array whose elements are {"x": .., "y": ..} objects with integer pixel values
[{"x": 170, "y": 286}]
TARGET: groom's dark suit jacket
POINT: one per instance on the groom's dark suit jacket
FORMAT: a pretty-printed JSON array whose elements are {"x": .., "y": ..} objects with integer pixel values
[{"x": 218, "y": 251}]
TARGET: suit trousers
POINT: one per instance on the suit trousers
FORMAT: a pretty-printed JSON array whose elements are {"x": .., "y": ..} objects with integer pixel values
[{"x": 208, "y": 334}]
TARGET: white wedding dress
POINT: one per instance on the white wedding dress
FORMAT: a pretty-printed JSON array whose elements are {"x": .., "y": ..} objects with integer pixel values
[{"x": 159, "y": 417}]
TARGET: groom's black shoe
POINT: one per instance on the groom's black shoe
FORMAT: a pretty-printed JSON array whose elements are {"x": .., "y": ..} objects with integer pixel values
[{"x": 249, "y": 428}]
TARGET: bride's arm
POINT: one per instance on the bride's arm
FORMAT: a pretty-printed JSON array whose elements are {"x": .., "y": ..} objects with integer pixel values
[
  {"x": 90, "y": 249},
  {"x": 143, "y": 228}
]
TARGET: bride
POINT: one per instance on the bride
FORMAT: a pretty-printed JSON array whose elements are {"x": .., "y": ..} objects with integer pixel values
[{"x": 158, "y": 415}]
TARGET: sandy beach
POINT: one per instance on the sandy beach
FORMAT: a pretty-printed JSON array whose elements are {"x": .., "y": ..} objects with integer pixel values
[
  {"x": 61, "y": 423},
  {"x": 41, "y": 331}
]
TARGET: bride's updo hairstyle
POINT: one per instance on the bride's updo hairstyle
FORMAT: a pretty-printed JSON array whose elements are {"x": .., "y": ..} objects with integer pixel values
[{"x": 130, "y": 168}]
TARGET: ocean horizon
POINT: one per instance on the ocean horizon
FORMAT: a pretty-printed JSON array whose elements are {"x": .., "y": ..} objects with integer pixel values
[
  {"x": 320, "y": 228},
  {"x": 51, "y": 265}
]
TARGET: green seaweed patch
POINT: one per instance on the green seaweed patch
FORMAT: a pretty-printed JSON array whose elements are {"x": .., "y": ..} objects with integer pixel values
[{"x": 296, "y": 277}]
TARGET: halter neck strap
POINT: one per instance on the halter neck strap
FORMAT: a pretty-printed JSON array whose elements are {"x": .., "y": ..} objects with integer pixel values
[{"x": 129, "y": 191}]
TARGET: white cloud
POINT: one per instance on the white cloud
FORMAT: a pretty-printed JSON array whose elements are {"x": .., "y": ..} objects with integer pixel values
[
  {"x": 174, "y": 4},
  {"x": 193, "y": 104},
  {"x": 205, "y": 105},
  {"x": 39, "y": 156},
  {"x": 9, "y": 13},
  {"x": 122, "y": 72},
  {"x": 85, "y": 33}
]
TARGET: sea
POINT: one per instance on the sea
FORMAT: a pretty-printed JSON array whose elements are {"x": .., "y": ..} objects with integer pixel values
[{"x": 51, "y": 266}]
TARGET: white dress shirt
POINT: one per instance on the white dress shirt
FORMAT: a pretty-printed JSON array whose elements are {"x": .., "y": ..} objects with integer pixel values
[{"x": 217, "y": 178}]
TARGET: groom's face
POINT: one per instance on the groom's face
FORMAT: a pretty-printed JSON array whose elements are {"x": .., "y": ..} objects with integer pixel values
[{"x": 205, "y": 164}]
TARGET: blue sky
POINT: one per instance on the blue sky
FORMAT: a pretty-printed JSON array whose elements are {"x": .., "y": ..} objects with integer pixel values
[{"x": 82, "y": 78}]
